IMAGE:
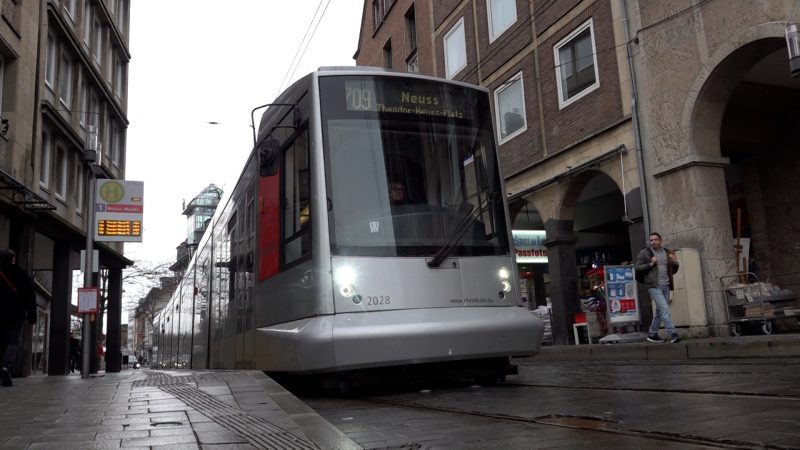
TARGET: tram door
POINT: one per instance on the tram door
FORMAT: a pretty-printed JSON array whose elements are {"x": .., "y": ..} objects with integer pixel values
[{"x": 243, "y": 243}]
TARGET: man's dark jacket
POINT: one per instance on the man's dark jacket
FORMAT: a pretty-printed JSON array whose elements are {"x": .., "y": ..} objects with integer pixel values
[{"x": 642, "y": 265}]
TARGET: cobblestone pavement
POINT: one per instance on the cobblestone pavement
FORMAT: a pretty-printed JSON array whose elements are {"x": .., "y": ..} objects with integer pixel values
[
  {"x": 678, "y": 404},
  {"x": 144, "y": 409}
]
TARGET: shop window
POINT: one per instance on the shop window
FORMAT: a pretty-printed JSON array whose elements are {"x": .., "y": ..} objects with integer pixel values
[
  {"x": 576, "y": 65},
  {"x": 510, "y": 108},
  {"x": 455, "y": 49}
]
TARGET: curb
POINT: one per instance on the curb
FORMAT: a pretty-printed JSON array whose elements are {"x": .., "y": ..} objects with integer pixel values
[{"x": 709, "y": 348}]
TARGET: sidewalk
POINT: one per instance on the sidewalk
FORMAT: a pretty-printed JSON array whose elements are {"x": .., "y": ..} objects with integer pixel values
[
  {"x": 160, "y": 409},
  {"x": 772, "y": 346}
]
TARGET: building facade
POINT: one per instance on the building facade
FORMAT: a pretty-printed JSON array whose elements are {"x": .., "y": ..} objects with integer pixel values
[
  {"x": 619, "y": 117},
  {"x": 64, "y": 67}
]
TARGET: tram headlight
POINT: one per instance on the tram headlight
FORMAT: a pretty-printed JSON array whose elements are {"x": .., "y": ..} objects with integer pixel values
[
  {"x": 346, "y": 290},
  {"x": 504, "y": 273},
  {"x": 506, "y": 285},
  {"x": 345, "y": 278}
]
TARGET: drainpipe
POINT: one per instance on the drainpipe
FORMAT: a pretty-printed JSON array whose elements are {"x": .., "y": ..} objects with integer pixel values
[
  {"x": 37, "y": 100},
  {"x": 635, "y": 118}
]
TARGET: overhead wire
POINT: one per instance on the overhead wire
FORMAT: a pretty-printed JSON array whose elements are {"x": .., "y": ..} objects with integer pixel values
[
  {"x": 303, "y": 46},
  {"x": 310, "y": 38}
]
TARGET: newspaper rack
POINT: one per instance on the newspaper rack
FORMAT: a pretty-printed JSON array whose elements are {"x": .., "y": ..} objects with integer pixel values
[{"x": 755, "y": 301}]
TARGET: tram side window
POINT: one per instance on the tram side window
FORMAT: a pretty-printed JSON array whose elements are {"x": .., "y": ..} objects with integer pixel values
[{"x": 297, "y": 200}]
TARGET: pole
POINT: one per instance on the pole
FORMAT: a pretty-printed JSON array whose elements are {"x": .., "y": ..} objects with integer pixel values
[{"x": 87, "y": 273}]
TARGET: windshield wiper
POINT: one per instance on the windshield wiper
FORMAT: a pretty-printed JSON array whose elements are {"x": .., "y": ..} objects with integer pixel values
[{"x": 461, "y": 229}]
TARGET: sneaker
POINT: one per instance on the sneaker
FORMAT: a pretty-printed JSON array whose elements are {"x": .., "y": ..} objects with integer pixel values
[
  {"x": 655, "y": 338},
  {"x": 6, "y": 377},
  {"x": 675, "y": 339}
]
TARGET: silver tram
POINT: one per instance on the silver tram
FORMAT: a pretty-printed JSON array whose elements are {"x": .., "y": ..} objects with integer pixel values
[{"x": 368, "y": 229}]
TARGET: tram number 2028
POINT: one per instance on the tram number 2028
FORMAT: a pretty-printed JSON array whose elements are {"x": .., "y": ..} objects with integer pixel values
[
  {"x": 378, "y": 300},
  {"x": 359, "y": 99}
]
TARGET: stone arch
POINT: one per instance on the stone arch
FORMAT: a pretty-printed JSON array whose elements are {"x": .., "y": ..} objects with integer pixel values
[{"x": 708, "y": 96}]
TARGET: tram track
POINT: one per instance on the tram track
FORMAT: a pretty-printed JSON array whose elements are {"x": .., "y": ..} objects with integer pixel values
[
  {"x": 580, "y": 423},
  {"x": 656, "y": 390}
]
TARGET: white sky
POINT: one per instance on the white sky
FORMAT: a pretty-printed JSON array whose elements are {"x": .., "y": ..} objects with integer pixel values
[{"x": 196, "y": 61}]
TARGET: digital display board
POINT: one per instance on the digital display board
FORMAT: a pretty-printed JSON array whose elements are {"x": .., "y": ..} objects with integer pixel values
[
  {"x": 419, "y": 99},
  {"x": 119, "y": 227}
]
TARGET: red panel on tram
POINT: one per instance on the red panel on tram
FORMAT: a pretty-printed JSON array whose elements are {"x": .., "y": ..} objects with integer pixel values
[{"x": 269, "y": 226}]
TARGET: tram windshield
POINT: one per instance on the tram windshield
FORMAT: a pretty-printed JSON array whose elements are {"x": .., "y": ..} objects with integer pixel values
[{"x": 411, "y": 165}]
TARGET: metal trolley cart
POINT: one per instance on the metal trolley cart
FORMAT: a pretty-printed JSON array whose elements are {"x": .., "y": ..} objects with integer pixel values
[{"x": 755, "y": 301}]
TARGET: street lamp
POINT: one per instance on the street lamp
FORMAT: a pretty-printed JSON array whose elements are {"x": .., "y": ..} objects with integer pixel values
[
  {"x": 793, "y": 45},
  {"x": 91, "y": 154}
]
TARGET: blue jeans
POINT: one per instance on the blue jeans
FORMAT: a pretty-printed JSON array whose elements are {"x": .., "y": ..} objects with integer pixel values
[{"x": 660, "y": 295}]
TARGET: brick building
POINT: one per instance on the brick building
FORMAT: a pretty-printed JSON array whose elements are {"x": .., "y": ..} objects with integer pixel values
[
  {"x": 595, "y": 160},
  {"x": 64, "y": 67}
]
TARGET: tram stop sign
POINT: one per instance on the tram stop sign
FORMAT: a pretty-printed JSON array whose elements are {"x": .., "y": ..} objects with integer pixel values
[{"x": 118, "y": 210}]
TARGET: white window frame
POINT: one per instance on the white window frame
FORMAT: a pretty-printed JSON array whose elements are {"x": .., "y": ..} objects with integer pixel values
[
  {"x": 498, "y": 110},
  {"x": 65, "y": 81},
  {"x": 46, "y": 157},
  {"x": 451, "y": 72},
  {"x": 562, "y": 103},
  {"x": 60, "y": 188},
  {"x": 51, "y": 61},
  {"x": 494, "y": 34}
]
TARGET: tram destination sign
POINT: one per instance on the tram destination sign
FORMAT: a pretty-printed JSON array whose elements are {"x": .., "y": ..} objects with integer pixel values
[
  {"x": 412, "y": 99},
  {"x": 118, "y": 211}
]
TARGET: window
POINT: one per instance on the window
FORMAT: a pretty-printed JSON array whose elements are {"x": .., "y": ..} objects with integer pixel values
[
  {"x": 87, "y": 23},
  {"x": 297, "y": 195},
  {"x": 84, "y": 120},
  {"x": 65, "y": 81},
  {"x": 110, "y": 66},
  {"x": 455, "y": 49},
  {"x": 50, "y": 62},
  {"x": 119, "y": 144},
  {"x": 576, "y": 65},
  {"x": 61, "y": 175},
  {"x": 411, "y": 29},
  {"x": 510, "y": 108},
  {"x": 119, "y": 77},
  {"x": 2, "y": 75},
  {"x": 387, "y": 54},
  {"x": 71, "y": 7},
  {"x": 79, "y": 182},
  {"x": 97, "y": 45},
  {"x": 377, "y": 15},
  {"x": 502, "y": 13},
  {"x": 47, "y": 152}
]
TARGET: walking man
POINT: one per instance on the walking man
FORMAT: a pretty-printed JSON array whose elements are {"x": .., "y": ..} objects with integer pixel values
[
  {"x": 17, "y": 302},
  {"x": 658, "y": 264}
]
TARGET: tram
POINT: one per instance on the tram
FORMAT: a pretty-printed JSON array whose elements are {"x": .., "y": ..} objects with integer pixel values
[{"x": 368, "y": 229}]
